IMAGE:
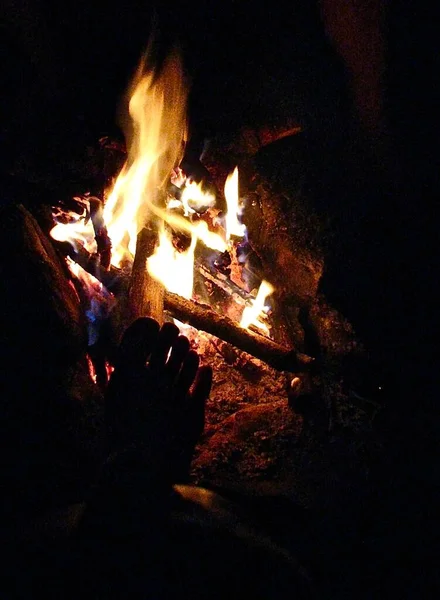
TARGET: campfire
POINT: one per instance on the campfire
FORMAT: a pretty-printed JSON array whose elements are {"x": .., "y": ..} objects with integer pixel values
[
  {"x": 165, "y": 245},
  {"x": 233, "y": 256}
]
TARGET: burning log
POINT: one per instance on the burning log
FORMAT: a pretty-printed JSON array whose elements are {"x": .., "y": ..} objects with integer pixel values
[
  {"x": 203, "y": 317},
  {"x": 145, "y": 295}
]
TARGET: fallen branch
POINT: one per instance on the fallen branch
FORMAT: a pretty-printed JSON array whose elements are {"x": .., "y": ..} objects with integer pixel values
[{"x": 203, "y": 317}]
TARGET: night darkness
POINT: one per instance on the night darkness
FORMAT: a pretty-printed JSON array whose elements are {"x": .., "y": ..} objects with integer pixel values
[
  {"x": 377, "y": 162},
  {"x": 374, "y": 164}
]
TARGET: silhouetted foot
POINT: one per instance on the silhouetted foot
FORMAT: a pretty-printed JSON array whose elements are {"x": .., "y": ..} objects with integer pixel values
[{"x": 156, "y": 397}]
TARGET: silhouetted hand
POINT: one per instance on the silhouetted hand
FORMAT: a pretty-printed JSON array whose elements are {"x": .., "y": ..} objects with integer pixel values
[{"x": 156, "y": 397}]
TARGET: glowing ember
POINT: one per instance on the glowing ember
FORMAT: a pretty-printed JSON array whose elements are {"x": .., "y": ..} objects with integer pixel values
[
  {"x": 92, "y": 370},
  {"x": 233, "y": 225},
  {"x": 252, "y": 314},
  {"x": 174, "y": 269}
]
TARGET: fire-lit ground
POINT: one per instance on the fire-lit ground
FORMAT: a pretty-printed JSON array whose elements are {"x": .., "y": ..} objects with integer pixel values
[{"x": 261, "y": 436}]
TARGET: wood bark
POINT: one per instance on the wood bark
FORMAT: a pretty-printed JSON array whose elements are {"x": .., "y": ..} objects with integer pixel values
[{"x": 145, "y": 294}]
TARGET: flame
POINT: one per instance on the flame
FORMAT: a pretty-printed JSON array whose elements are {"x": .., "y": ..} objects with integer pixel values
[
  {"x": 198, "y": 229},
  {"x": 77, "y": 229},
  {"x": 101, "y": 301},
  {"x": 195, "y": 199},
  {"x": 252, "y": 314},
  {"x": 178, "y": 177},
  {"x": 174, "y": 269},
  {"x": 156, "y": 132},
  {"x": 233, "y": 225}
]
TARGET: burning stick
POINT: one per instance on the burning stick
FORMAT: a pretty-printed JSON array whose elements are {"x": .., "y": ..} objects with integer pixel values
[
  {"x": 145, "y": 295},
  {"x": 203, "y": 317}
]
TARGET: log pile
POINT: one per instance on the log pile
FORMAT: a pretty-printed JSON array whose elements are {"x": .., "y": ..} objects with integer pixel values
[
  {"x": 147, "y": 297},
  {"x": 282, "y": 237}
]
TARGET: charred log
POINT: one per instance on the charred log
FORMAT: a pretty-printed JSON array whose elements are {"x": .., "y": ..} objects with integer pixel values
[
  {"x": 39, "y": 302},
  {"x": 142, "y": 296}
]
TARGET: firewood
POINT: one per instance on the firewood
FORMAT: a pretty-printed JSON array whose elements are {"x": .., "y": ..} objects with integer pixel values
[
  {"x": 283, "y": 227},
  {"x": 204, "y": 318},
  {"x": 145, "y": 293},
  {"x": 196, "y": 314}
]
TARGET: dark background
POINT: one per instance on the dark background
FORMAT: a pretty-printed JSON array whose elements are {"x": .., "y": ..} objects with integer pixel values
[
  {"x": 69, "y": 64},
  {"x": 363, "y": 82}
]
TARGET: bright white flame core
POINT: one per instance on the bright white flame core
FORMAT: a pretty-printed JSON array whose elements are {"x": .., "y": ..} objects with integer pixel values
[
  {"x": 233, "y": 225},
  {"x": 193, "y": 193},
  {"x": 252, "y": 314},
  {"x": 78, "y": 231},
  {"x": 174, "y": 269}
]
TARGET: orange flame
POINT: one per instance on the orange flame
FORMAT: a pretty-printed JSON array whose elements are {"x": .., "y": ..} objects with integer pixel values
[
  {"x": 155, "y": 133},
  {"x": 157, "y": 109}
]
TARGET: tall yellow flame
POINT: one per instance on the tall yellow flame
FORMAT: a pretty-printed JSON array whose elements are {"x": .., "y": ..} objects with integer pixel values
[{"x": 155, "y": 134}]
